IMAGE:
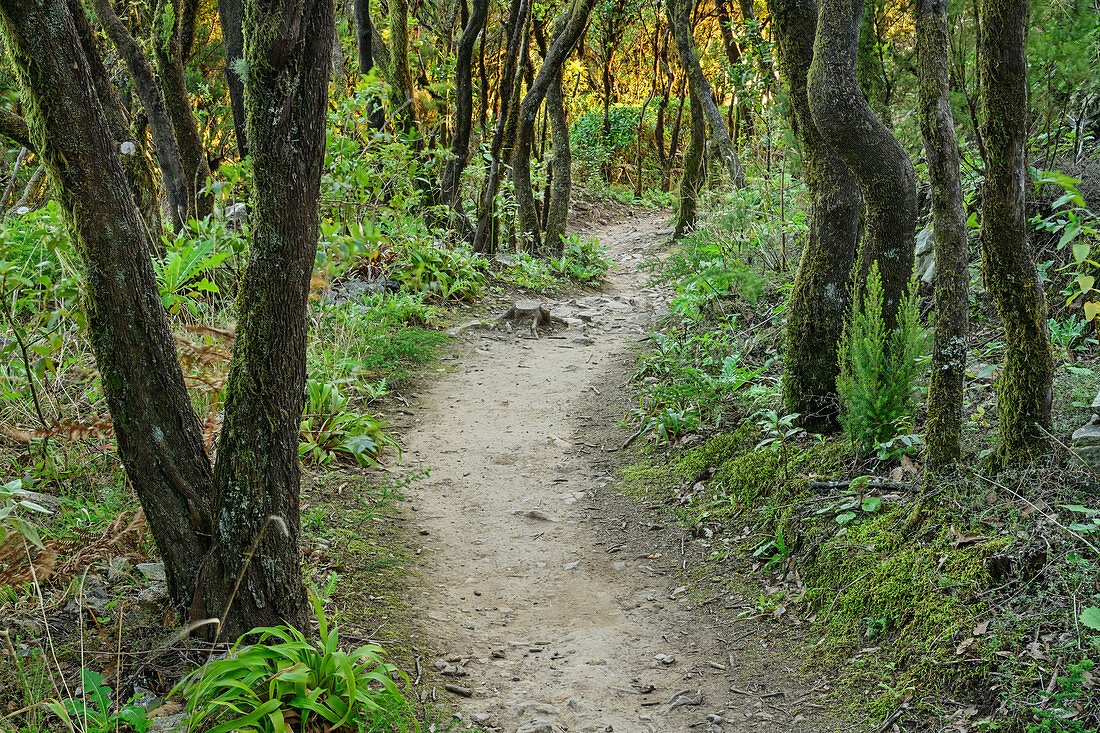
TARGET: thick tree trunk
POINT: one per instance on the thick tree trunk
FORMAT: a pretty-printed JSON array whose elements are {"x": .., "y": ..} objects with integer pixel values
[
  {"x": 851, "y": 128},
  {"x": 231, "y": 19},
  {"x": 464, "y": 106},
  {"x": 557, "y": 215},
  {"x": 568, "y": 30},
  {"x": 145, "y": 84},
  {"x": 158, "y": 434},
  {"x": 402, "y": 106},
  {"x": 943, "y": 429},
  {"x": 686, "y": 215},
  {"x": 517, "y": 22},
  {"x": 369, "y": 46},
  {"x": 171, "y": 64},
  {"x": 680, "y": 19},
  {"x": 820, "y": 298},
  {"x": 1024, "y": 388},
  {"x": 257, "y": 473},
  {"x": 339, "y": 69}
]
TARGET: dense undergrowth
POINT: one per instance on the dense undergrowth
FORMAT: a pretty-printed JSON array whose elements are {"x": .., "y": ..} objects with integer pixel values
[
  {"x": 94, "y": 642},
  {"x": 969, "y": 598}
]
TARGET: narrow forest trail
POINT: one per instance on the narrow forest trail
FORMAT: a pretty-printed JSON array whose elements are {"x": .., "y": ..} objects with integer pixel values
[{"x": 556, "y": 620}]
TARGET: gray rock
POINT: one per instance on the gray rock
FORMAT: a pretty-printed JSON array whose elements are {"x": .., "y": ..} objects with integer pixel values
[
  {"x": 1096, "y": 405},
  {"x": 168, "y": 723},
  {"x": 1086, "y": 442},
  {"x": 154, "y": 597},
  {"x": 583, "y": 341},
  {"x": 538, "y": 725},
  {"x": 153, "y": 571}
]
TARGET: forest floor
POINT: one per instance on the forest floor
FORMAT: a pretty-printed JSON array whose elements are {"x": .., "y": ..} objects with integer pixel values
[{"x": 550, "y": 600}]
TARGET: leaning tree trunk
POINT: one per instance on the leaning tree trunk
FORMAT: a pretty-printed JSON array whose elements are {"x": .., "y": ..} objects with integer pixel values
[
  {"x": 517, "y": 22},
  {"x": 171, "y": 61},
  {"x": 1024, "y": 388},
  {"x": 679, "y": 17},
  {"x": 464, "y": 107},
  {"x": 156, "y": 110},
  {"x": 851, "y": 128},
  {"x": 567, "y": 31},
  {"x": 158, "y": 433},
  {"x": 557, "y": 215},
  {"x": 402, "y": 106},
  {"x": 820, "y": 298},
  {"x": 231, "y": 19},
  {"x": 139, "y": 169},
  {"x": 257, "y": 474},
  {"x": 686, "y": 215},
  {"x": 943, "y": 429}
]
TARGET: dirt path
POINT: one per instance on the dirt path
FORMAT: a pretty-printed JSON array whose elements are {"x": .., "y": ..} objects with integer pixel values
[{"x": 552, "y": 629}]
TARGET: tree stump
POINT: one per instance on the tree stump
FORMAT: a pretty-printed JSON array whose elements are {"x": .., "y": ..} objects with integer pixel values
[{"x": 530, "y": 310}]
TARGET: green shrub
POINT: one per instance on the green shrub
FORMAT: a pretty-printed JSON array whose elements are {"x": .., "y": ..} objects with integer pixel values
[
  {"x": 288, "y": 682},
  {"x": 878, "y": 371}
]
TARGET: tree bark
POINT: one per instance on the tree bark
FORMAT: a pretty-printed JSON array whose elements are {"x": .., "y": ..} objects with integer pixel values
[
  {"x": 1024, "y": 388},
  {"x": 557, "y": 215},
  {"x": 686, "y": 215},
  {"x": 145, "y": 84},
  {"x": 943, "y": 429},
  {"x": 567, "y": 31},
  {"x": 402, "y": 105},
  {"x": 158, "y": 433},
  {"x": 819, "y": 301},
  {"x": 517, "y": 21},
  {"x": 464, "y": 106},
  {"x": 171, "y": 68},
  {"x": 851, "y": 128},
  {"x": 679, "y": 16},
  {"x": 231, "y": 19}
]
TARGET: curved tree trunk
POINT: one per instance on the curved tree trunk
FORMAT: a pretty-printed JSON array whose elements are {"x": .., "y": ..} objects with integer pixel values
[
  {"x": 152, "y": 99},
  {"x": 686, "y": 215},
  {"x": 159, "y": 437},
  {"x": 171, "y": 63},
  {"x": 464, "y": 106},
  {"x": 1024, "y": 388},
  {"x": 943, "y": 429},
  {"x": 851, "y": 128},
  {"x": 679, "y": 16},
  {"x": 557, "y": 216},
  {"x": 568, "y": 30},
  {"x": 820, "y": 298}
]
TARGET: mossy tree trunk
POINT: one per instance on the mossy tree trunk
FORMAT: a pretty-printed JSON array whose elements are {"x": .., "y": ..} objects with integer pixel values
[
  {"x": 510, "y": 78},
  {"x": 820, "y": 299},
  {"x": 402, "y": 105},
  {"x": 1024, "y": 387},
  {"x": 158, "y": 433},
  {"x": 851, "y": 128},
  {"x": 567, "y": 30},
  {"x": 943, "y": 429},
  {"x": 557, "y": 215},
  {"x": 257, "y": 474},
  {"x": 464, "y": 107},
  {"x": 172, "y": 46},
  {"x": 679, "y": 16},
  {"x": 156, "y": 110},
  {"x": 239, "y": 521},
  {"x": 686, "y": 212},
  {"x": 231, "y": 20}
]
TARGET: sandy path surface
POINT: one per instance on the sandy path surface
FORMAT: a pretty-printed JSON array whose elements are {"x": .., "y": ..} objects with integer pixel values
[{"x": 547, "y": 628}]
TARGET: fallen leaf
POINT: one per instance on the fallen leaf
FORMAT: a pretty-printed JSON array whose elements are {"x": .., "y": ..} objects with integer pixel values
[
  {"x": 965, "y": 645},
  {"x": 981, "y": 628}
]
